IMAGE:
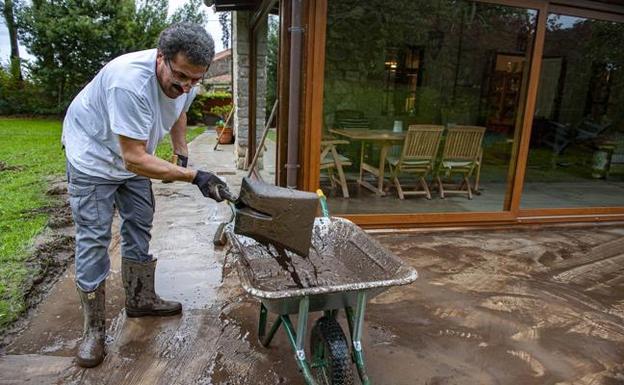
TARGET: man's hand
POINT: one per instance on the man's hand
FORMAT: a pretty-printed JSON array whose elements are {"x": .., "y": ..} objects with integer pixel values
[{"x": 212, "y": 186}]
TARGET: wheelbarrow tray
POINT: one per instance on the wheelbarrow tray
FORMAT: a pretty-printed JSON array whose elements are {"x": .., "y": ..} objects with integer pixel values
[{"x": 343, "y": 262}]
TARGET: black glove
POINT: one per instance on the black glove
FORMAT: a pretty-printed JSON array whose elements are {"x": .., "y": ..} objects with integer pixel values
[
  {"x": 182, "y": 160},
  {"x": 211, "y": 186}
]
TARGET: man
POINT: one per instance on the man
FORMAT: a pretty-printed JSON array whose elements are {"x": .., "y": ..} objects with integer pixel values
[{"x": 110, "y": 133}]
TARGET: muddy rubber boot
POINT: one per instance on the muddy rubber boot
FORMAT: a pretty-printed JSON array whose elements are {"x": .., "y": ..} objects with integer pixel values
[
  {"x": 141, "y": 298},
  {"x": 91, "y": 349}
]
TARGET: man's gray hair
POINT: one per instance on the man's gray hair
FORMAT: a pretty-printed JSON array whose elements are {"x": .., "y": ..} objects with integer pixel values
[{"x": 190, "y": 39}]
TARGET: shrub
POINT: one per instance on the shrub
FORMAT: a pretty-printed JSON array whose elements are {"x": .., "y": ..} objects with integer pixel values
[
  {"x": 204, "y": 103},
  {"x": 25, "y": 97},
  {"x": 222, "y": 111}
]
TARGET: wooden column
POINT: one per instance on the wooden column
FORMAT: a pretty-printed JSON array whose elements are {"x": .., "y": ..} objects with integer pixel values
[{"x": 315, "y": 18}]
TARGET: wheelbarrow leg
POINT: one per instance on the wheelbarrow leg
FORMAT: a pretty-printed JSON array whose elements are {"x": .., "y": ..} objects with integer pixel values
[
  {"x": 262, "y": 322},
  {"x": 266, "y": 340},
  {"x": 297, "y": 338},
  {"x": 356, "y": 325}
]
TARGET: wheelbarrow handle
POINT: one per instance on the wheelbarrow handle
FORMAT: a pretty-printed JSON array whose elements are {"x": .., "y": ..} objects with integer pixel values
[{"x": 323, "y": 201}]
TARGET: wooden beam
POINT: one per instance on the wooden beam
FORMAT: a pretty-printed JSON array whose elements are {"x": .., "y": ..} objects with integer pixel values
[
  {"x": 529, "y": 111},
  {"x": 589, "y": 5},
  {"x": 430, "y": 219},
  {"x": 262, "y": 12},
  {"x": 571, "y": 211},
  {"x": 535, "y": 4},
  {"x": 486, "y": 219},
  {"x": 586, "y": 13},
  {"x": 314, "y": 59},
  {"x": 233, "y": 5}
]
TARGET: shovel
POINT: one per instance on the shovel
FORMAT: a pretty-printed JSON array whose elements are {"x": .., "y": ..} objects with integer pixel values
[{"x": 275, "y": 215}]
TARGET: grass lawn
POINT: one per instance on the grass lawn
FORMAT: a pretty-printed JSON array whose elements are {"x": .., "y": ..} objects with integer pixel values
[
  {"x": 164, "y": 149},
  {"x": 30, "y": 154}
]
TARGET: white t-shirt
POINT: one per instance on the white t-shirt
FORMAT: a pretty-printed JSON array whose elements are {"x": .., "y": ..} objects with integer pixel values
[{"x": 124, "y": 98}]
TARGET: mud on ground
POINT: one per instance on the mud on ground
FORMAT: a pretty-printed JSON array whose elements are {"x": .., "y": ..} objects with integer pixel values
[
  {"x": 52, "y": 252},
  {"x": 6, "y": 167},
  {"x": 538, "y": 307}
]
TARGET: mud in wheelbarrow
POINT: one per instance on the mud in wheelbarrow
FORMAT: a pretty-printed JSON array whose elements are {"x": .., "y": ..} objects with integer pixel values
[{"x": 345, "y": 268}]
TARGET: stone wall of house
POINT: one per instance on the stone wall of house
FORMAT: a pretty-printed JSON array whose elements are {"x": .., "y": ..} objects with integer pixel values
[{"x": 240, "y": 57}]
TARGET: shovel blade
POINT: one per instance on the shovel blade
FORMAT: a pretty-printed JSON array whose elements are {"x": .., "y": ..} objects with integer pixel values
[{"x": 280, "y": 216}]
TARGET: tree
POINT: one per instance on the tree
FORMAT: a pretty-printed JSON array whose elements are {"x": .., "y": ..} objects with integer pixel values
[
  {"x": 272, "y": 59},
  {"x": 149, "y": 20},
  {"x": 72, "y": 39},
  {"x": 191, "y": 12},
  {"x": 9, "y": 17},
  {"x": 224, "y": 20}
]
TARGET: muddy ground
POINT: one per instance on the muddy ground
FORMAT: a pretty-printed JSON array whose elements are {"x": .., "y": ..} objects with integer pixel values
[
  {"x": 52, "y": 252},
  {"x": 539, "y": 306}
]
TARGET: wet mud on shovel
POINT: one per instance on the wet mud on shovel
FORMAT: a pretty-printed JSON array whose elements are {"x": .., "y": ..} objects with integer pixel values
[{"x": 275, "y": 215}]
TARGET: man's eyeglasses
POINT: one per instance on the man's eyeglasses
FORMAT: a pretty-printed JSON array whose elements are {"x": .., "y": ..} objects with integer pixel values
[{"x": 182, "y": 78}]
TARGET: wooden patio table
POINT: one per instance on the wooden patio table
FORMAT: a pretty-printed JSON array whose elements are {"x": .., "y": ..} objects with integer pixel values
[{"x": 383, "y": 137}]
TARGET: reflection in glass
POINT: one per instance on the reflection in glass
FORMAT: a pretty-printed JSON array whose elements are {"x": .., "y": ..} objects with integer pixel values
[
  {"x": 576, "y": 156},
  {"x": 392, "y": 65}
]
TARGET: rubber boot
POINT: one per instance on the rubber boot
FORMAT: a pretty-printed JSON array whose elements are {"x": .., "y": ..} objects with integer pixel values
[
  {"x": 141, "y": 298},
  {"x": 91, "y": 349}
]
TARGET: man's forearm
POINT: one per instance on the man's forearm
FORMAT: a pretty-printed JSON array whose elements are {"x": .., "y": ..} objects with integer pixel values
[
  {"x": 178, "y": 136},
  {"x": 156, "y": 168}
]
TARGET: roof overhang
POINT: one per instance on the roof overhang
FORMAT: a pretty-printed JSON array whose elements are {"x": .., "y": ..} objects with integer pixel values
[{"x": 233, "y": 5}]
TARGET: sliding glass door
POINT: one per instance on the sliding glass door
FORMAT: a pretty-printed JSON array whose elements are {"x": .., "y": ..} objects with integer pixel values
[
  {"x": 423, "y": 105},
  {"x": 576, "y": 155}
]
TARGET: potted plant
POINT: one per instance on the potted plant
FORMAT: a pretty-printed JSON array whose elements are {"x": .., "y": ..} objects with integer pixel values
[{"x": 224, "y": 132}]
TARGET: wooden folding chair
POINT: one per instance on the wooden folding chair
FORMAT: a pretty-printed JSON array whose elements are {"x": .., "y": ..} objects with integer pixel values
[
  {"x": 461, "y": 155},
  {"x": 333, "y": 162},
  {"x": 417, "y": 157}
]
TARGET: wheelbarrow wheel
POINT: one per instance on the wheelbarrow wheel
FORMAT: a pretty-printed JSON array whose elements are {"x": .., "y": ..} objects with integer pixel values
[{"x": 330, "y": 353}]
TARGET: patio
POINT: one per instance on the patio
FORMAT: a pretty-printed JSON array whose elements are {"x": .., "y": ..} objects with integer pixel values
[{"x": 518, "y": 307}]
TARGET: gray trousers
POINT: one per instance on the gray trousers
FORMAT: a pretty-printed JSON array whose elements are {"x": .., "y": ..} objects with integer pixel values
[{"x": 93, "y": 201}]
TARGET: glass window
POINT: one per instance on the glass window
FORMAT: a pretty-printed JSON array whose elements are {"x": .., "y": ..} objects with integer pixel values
[
  {"x": 422, "y": 97},
  {"x": 576, "y": 156}
]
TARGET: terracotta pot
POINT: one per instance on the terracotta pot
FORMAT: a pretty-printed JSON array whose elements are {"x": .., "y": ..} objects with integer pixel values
[{"x": 226, "y": 137}]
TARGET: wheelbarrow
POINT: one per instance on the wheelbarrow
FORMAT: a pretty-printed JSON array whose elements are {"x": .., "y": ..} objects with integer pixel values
[{"x": 345, "y": 268}]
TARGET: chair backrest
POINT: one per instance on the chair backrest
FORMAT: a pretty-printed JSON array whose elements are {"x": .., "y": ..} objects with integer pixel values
[
  {"x": 463, "y": 143},
  {"x": 421, "y": 142},
  {"x": 588, "y": 129},
  {"x": 351, "y": 120}
]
